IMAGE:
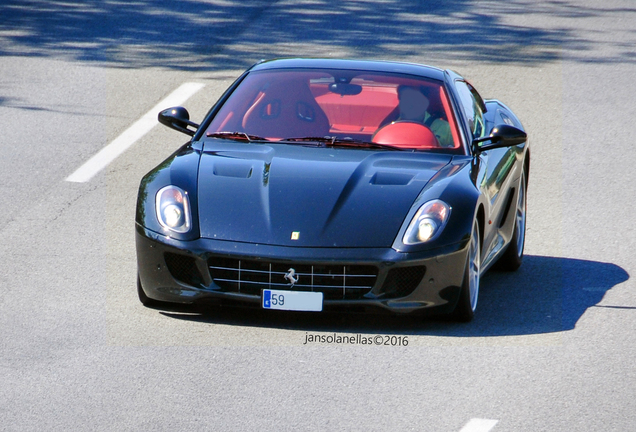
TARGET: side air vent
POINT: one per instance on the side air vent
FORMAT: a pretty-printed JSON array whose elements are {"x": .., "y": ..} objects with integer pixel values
[
  {"x": 402, "y": 281},
  {"x": 183, "y": 268}
]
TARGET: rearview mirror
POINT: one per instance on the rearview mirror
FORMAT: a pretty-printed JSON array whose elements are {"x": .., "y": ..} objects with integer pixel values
[
  {"x": 501, "y": 136},
  {"x": 345, "y": 89},
  {"x": 177, "y": 118}
]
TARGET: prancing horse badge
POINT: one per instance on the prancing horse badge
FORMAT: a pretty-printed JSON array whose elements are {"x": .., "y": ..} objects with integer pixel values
[{"x": 291, "y": 277}]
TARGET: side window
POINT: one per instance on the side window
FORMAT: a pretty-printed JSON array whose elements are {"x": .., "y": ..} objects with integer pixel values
[{"x": 471, "y": 104}]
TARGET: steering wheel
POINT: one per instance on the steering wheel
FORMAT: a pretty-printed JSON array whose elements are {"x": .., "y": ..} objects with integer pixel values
[{"x": 406, "y": 134}]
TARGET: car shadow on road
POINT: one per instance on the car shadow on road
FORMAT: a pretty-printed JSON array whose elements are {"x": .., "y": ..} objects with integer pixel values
[{"x": 546, "y": 295}]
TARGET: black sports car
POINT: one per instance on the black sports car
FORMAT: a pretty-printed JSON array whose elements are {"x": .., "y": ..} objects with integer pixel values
[{"x": 317, "y": 184}]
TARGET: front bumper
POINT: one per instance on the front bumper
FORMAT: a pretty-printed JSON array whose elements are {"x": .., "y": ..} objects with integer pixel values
[{"x": 179, "y": 271}]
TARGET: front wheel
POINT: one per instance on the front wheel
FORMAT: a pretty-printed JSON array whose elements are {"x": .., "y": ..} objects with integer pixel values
[{"x": 465, "y": 309}]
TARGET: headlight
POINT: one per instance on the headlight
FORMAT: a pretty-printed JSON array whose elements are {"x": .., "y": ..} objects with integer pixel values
[
  {"x": 427, "y": 223},
  {"x": 173, "y": 209}
]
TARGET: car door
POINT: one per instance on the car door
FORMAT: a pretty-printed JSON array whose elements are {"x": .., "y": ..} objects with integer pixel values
[{"x": 496, "y": 166}]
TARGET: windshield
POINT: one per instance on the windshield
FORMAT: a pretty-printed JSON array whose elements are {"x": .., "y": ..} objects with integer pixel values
[{"x": 389, "y": 110}]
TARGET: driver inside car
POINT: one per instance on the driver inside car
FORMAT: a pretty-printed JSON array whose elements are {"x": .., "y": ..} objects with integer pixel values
[{"x": 415, "y": 106}]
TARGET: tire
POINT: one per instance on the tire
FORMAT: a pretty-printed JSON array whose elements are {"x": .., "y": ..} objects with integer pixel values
[
  {"x": 513, "y": 256},
  {"x": 143, "y": 298},
  {"x": 467, "y": 304}
]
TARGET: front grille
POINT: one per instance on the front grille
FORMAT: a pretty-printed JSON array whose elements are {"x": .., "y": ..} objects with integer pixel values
[
  {"x": 336, "y": 282},
  {"x": 183, "y": 268},
  {"x": 402, "y": 281}
]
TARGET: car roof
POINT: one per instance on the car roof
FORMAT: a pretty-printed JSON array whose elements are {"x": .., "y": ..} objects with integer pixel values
[{"x": 364, "y": 65}]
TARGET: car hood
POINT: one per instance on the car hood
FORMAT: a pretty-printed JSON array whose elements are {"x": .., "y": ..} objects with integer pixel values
[{"x": 294, "y": 195}]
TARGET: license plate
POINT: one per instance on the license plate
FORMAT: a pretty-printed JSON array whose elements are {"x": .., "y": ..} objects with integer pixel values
[{"x": 292, "y": 300}]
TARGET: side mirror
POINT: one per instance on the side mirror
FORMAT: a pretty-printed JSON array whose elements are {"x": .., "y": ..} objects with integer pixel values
[
  {"x": 501, "y": 136},
  {"x": 177, "y": 118}
]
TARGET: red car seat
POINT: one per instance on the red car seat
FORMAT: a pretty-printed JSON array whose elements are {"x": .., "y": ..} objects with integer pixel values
[{"x": 286, "y": 110}]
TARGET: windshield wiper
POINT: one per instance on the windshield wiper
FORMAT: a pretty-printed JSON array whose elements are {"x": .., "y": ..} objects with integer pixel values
[
  {"x": 238, "y": 136},
  {"x": 332, "y": 141}
]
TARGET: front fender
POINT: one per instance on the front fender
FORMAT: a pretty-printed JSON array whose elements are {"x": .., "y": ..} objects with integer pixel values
[
  {"x": 180, "y": 169},
  {"x": 455, "y": 185}
]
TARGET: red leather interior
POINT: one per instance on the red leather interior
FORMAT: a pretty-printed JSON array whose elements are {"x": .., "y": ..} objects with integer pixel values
[
  {"x": 286, "y": 107},
  {"x": 406, "y": 134},
  {"x": 292, "y": 104},
  {"x": 361, "y": 113}
]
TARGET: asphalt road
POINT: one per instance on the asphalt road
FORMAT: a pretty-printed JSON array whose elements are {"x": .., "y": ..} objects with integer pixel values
[{"x": 552, "y": 346}]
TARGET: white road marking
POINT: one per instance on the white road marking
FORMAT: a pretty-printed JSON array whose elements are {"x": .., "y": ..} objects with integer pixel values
[
  {"x": 479, "y": 425},
  {"x": 138, "y": 129}
]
